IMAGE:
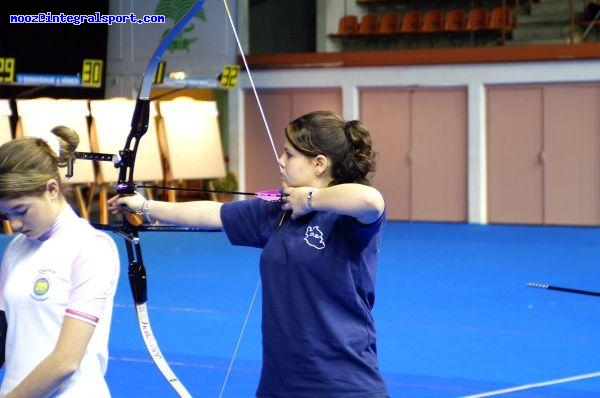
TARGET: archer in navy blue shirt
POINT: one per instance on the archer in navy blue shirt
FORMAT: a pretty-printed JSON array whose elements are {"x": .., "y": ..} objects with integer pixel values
[
  {"x": 318, "y": 288},
  {"x": 318, "y": 266}
]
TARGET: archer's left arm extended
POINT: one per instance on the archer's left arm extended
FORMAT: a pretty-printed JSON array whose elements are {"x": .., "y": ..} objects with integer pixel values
[
  {"x": 203, "y": 213},
  {"x": 362, "y": 202}
]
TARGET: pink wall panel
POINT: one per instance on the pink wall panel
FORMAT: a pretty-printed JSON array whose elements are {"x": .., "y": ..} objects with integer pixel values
[
  {"x": 386, "y": 114},
  {"x": 280, "y": 106},
  {"x": 306, "y": 101},
  {"x": 543, "y": 149},
  {"x": 262, "y": 171},
  {"x": 514, "y": 127},
  {"x": 572, "y": 154},
  {"x": 439, "y": 150}
]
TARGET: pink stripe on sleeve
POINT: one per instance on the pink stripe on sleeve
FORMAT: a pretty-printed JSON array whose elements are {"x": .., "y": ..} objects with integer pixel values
[{"x": 82, "y": 316}]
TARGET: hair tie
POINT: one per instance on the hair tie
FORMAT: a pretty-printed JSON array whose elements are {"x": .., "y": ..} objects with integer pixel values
[{"x": 347, "y": 126}]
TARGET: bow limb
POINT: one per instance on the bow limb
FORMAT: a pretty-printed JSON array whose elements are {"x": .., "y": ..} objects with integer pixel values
[
  {"x": 126, "y": 186},
  {"x": 141, "y": 113}
]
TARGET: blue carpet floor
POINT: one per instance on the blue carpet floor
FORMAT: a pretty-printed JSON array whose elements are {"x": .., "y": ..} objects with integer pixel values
[{"x": 454, "y": 315}]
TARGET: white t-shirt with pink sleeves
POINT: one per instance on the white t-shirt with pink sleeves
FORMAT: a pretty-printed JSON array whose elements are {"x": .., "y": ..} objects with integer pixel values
[{"x": 72, "y": 270}]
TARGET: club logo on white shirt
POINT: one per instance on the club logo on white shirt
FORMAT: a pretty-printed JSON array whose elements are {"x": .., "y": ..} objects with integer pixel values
[
  {"x": 314, "y": 237},
  {"x": 41, "y": 286}
]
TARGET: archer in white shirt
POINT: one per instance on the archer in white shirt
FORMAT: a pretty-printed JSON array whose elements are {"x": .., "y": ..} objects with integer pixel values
[{"x": 57, "y": 280}]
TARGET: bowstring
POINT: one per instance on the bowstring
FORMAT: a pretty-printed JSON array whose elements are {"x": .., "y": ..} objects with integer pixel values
[
  {"x": 239, "y": 340},
  {"x": 264, "y": 119},
  {"x": 262, "y": 113}
]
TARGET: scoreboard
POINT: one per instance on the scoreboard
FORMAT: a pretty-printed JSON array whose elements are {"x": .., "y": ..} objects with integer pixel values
[
  {"x": 91, "y": 75},
  {"x": 61, "y": 59}
]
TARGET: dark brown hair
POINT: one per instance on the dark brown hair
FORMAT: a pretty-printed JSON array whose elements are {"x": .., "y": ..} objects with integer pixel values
[{"x": 346, "y": 144}]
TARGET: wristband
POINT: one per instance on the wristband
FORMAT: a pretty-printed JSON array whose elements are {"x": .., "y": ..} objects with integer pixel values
[
  {"x": 145, "y": 213},
  {"x": 309, "y": 199}
]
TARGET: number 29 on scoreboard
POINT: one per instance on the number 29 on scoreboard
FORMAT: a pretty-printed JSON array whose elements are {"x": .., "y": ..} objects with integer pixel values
[{"x": 7, "y": 70}]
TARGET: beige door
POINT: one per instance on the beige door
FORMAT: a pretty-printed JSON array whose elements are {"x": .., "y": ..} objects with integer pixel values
[
  {"x": 280, "y": 106},
  {"x": 421, "y": 136},
  {"x": 386, "y": 113},
  {"x": 572, "y": 154},
  {"x": 305, "y": 101},
  {"x": 439, "y": 155},
  {"x": 515, "y": 173},
  {"x": 544, "y": 154},
  {"x": 262, "y": 171}
]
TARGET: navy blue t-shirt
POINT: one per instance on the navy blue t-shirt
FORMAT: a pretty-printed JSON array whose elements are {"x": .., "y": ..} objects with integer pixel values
[{"x": 318, "y": 288}]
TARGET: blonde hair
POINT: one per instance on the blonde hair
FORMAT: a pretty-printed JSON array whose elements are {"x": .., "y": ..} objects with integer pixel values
[{"x": 28, "y": 163}]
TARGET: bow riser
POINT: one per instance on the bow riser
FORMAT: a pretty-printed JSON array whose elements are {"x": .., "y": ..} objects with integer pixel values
[
  {"x": 139, "y": 127},
  {"x": 126, "y": 186}
]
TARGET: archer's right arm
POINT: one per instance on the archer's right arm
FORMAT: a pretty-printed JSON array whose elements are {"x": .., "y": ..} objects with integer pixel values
[{"x": 204, "y": 214}]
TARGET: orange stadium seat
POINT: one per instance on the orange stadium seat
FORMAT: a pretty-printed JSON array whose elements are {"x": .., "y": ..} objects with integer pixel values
[
  {"x": 389, "y": 23},
  {"x": 477, "y": 19},
  {"x": 500, "y": 16},
  {"x": 455, "y": 20},
  {"x": 411, "y": 22},
  {"x": 432, "y": 22},
  {"x": 348, "y": 25},
  {"x": 368, "y": 24}
]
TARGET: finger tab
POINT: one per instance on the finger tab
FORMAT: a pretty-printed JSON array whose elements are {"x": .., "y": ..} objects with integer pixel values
[{"x": 133, "y": 219}]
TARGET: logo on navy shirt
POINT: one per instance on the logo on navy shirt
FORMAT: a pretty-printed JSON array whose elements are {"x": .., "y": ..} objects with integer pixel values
[{"x": 314, "y": 237}]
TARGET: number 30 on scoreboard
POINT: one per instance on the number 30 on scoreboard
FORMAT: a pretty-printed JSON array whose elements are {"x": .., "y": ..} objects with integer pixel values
[{"x": 91, "y": 74}]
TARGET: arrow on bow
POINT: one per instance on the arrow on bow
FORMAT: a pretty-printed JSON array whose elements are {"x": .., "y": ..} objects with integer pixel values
[{"x": 269, "y": 195}]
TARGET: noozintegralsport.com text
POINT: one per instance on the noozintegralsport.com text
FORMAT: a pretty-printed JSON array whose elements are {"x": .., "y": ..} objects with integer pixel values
[{"x": 48, "y": 17}]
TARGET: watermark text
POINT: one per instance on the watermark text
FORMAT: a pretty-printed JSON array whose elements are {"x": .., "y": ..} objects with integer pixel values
[{"x": 97, "y": 17}]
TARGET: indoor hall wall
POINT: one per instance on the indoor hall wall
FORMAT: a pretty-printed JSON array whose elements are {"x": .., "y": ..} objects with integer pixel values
[
  {"x": 280, "y": 107},
  {"x": 544, "y": 154},
  {"x": 421, "y": 137},
  {"x": 474, "y": 80}
]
